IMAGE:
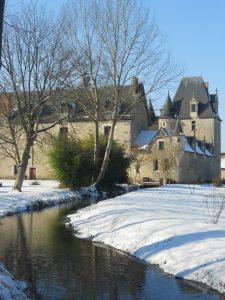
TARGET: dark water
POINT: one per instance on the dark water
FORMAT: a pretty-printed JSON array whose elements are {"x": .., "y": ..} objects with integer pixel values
[{"x": 38, "y": 248}]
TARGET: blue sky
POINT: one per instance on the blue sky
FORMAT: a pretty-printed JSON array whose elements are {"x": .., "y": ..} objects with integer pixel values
[{"x": 195, "y": 32}]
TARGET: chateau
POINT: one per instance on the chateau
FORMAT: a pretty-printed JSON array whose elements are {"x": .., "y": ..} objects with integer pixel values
[{"x": 182, "y": 145}]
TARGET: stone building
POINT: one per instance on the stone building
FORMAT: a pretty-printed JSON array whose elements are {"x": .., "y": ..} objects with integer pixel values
[
  {"x": 134, "y": 117},
  {"x": 186, "y": 145},
  {"x": 181, "y": 145}
]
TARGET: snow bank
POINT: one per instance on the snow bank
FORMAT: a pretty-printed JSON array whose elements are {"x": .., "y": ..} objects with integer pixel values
[
  {"x": 167, "y": 226},
  {"x": 46, "y": 193},
  {"x": 11, "y": 289}
]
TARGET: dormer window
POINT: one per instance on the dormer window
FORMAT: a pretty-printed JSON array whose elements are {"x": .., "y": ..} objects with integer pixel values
[
  {"x": 194, "y": 108},
  {"x": 64, "y": 108}
]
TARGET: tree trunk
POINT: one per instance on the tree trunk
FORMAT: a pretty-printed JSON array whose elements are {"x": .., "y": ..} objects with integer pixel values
[
  {"x": 96, "y": 152},
  {"x": 96, "y": 145},
  {"x": 106, "y": 157},
  {"x": 23, "y": 167}
]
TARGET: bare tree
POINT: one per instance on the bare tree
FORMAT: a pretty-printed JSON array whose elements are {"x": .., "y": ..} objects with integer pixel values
[
  {"x": 11, "y": 134},
  {"x": 34, "y": 70},
  {"x": 2, "y": 7},
  {"x": 118, "y": 40},
  {"x": 215, "y": 204},
  {"x": 87, "y": 48}
]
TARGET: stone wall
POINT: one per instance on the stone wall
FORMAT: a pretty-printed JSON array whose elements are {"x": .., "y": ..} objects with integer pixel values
[
  {"x": 168, "y": 159},
  {"x": 39, "y": 153},
  {"x": 174, "y": 164},
  {"x": 196, "y": 168}
]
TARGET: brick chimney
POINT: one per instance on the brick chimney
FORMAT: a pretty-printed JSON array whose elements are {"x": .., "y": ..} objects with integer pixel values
[{"x": 134, "y": 85}]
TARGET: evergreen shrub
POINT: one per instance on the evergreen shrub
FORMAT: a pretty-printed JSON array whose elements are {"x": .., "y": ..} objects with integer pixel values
[{"x": 73, "y": 162}]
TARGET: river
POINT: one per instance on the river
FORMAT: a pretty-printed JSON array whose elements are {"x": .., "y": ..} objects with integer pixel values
[{"x": 38, "y": 248}]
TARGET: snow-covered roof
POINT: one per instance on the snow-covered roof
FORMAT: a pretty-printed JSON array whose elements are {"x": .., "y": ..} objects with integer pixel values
[
  {"x": 198, "y": 149},
  {"x": 207, "y": 152},
  {"x": 144, "y": 138},
  {"x": 145, "y": 147},
  {"x": 187, "y": 146},
  {"x": 223, "y": 162}
]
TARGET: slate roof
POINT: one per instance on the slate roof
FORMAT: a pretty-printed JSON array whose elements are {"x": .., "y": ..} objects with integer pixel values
[
  {"x": 151, "y": 112},
  {"x": 145, "y": 137},
  {"x": 168, "y": 109},
  {"x": 68, "y": 101},
  {"x": 177, "y": 130},
  {"x": 193, "y": 87}
]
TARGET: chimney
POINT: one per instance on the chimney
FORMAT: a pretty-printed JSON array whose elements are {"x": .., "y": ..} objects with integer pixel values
[
  {"x": 207, "y": 86},
  {"x": 134, "y": 85}
]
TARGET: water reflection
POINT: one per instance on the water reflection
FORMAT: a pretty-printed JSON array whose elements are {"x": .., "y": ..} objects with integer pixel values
[{"x": 37, "y": 247}]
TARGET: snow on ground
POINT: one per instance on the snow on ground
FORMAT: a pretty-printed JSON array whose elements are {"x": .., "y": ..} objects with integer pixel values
[
  {"x": 167, "y": 226},
  {"x": 11, "y": 289},
  {"x": 46, "y": 193}
]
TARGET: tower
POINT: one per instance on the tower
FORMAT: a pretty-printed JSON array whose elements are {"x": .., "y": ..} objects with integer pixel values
[{"x": 167, "y": 117}]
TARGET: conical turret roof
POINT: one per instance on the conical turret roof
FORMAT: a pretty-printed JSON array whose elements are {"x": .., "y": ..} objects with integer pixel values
[
  {"x": 177, "y": 130},
  {"x": 168, "y": 110}
]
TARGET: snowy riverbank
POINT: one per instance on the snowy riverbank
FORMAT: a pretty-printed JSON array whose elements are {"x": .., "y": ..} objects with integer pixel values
[
  {"x": 10, "y": 288},
  {"x": 167, "y": 226},
  {"x": 45, "y": 194}
]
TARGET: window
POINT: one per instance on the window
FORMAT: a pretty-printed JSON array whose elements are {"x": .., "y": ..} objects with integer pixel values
[
  {"x": 161, "y": 145},
  {"x": 193, "y": 125},
  {"x": 164, "y": 124},
  {"x": 193, "y": 108},
  {"x": 63, "y": 132},
  {"x": 155, "y": 165},
  {"x": 64, "y": 108},
  {"x": 107, "y": 130},
  {"x": 123, "y": 108}
]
